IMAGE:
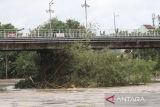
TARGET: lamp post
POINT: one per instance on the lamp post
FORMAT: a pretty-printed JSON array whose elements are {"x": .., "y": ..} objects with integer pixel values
[
  {"x": 159, "y": 21},
  {"x": 153, "y": 19},
  {"x": 50, "y": 11},
  {"x": 115, "y": 26},
  {"x": 85, "y": 5},
  {"x": 6, "y": 68}
]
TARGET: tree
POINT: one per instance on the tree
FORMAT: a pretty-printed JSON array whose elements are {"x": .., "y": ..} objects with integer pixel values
[
  {"x": 6, "y": 26},
  {"x": 72, "y": 24},
  {"x": 147, "y": 54},
  {"x": 57, "y": 24},
  {"x": 25, "y": 65},
  {"x": 11, "y": 56},
  {"x": 19, "y": 64}
]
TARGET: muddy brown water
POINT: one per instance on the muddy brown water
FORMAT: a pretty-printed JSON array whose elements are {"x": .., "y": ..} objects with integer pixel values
[{"x": 77, "y": 97}]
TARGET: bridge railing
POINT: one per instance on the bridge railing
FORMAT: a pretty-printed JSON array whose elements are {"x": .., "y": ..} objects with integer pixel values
[
  {"x": 10, "y": 33},
  {"x": 62, "y": 33},
  {"x": 74, "y": 33},
  {"x": 129, "y": 33}
]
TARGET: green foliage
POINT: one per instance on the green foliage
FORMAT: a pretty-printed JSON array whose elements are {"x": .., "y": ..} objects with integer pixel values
[
  {"x": 19, "y": 64},
  {"x": 72, "y": 24},
  {"x": 23, "y": 84},
  {"x": 6, "y": 26},
  {"x": 80, "y": 66},
  {"x": 25, "y": 65},
  {"x": 57, "y": 24},
  {"x": 11, "y": 57},
  {"x": 147, "y": 54},
  {"x": 106, "y": 68}
]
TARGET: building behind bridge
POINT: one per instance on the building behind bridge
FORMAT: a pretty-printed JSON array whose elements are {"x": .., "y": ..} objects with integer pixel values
[{"x": 146, "y": 28}]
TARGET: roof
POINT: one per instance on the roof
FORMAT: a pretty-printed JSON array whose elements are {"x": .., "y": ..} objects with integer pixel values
[{"x": 149, "y": 27}]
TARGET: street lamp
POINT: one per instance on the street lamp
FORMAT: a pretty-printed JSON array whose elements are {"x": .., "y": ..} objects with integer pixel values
[
  {"x": 153, "y": 19},
  {"x": 159, "y": 21},
  {"x": 115, "y": 26},
  {"x": 50, "y": 11},
  {"x": 85, "y": 5},
  {"x": 6, "y": 60}
]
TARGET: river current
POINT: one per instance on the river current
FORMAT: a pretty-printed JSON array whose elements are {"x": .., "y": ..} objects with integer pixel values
[{"x": 77, "y": 97}]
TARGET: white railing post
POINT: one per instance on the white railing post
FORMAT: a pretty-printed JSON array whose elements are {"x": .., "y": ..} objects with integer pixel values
[
  {"x": 4, "y": 34},
  {"x": 38, "y": 32},
  {"x": 76, "y": 33},
  {"x": 16, "y": 33}
]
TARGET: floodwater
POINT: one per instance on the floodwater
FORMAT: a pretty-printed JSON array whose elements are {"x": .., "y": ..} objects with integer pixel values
[{"x": 77, "y": 97}]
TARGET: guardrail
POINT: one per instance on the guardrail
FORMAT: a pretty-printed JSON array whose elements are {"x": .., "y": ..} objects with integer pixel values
[{"x": 74, "y": 33}]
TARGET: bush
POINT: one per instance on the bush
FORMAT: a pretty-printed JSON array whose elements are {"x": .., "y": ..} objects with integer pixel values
[
  {"x": 80, "y": 66},
  {"x": 106, "y": 68},
  {"x": 23, "y": 84}
]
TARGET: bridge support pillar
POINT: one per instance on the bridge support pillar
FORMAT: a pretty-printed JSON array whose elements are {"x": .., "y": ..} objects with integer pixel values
[
  {"x": 44, "y": 63},
  {"x": 52, "y": 66}
]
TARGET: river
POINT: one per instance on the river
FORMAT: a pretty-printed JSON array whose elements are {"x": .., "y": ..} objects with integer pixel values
[{"x": 77, "y": 97}]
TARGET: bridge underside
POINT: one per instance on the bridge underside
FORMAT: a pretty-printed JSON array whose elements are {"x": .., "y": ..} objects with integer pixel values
[{"x": 59, "y": 43}]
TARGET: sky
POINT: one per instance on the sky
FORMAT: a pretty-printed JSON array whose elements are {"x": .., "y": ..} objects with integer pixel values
[{"x": 131, "y": 14}]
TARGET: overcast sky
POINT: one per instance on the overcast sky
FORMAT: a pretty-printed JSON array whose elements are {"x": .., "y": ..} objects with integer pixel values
[{"x": 31, "y": 13}]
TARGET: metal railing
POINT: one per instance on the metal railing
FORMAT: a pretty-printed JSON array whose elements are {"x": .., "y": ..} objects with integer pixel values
[
  {"x": 8, "y": 33},
  {"x": 61, "y": 33},
  {"x": 75, "y": 33}
]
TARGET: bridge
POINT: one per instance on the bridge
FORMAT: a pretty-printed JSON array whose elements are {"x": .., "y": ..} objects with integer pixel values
[{"x": 12, "y": 39}]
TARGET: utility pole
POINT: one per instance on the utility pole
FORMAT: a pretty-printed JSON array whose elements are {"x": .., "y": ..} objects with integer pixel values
[
  {"x": 115, "y": 26},
  {"x": 159, "y": 20},
  {"x": 50, "y": 11},
  {"x": 85, "y": 5},
  {"x": 6, "y": 61},
  {"x": 153, "y": 19}
]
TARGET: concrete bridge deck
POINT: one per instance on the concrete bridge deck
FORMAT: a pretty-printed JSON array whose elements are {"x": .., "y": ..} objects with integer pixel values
[
  {"x": 11, "y": 40},
  {"x": 96, "y": 43}
]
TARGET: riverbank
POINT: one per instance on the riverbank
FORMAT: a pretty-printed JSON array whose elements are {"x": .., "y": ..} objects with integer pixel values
[
  {"x": 9, "y": 81},
  {"x": 7, "y": 84}
]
